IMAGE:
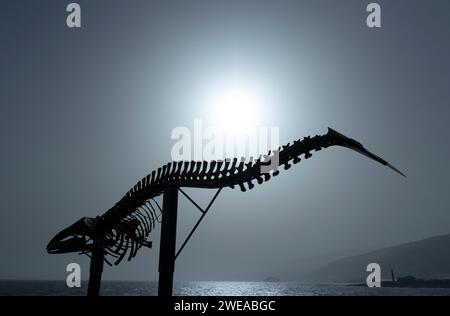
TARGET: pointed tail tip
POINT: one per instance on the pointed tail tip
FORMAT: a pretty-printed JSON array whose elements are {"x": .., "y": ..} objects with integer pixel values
[
  {"x": 353, "y": 144},
  {"x": 396, "y": 170}
]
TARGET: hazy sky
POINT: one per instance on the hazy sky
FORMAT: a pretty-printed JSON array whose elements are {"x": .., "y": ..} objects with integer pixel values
[{"x": 86, "y": 113}]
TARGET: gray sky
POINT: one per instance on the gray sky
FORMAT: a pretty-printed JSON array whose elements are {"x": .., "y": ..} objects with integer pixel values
[{"x": 86, "y": 113}]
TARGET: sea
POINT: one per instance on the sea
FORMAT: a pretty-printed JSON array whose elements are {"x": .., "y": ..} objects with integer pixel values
[{"x": 210, "y": 288}]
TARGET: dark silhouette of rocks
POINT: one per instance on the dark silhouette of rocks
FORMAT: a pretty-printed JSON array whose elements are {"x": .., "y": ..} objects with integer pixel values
[{"x": 424, "y": 259}]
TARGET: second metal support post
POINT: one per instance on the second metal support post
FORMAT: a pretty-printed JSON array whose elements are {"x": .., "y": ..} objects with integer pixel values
[{"x": 168, "y": 242}]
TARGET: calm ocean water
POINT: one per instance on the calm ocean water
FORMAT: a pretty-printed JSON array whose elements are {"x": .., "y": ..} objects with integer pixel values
[{"x": 129, "y": 288}]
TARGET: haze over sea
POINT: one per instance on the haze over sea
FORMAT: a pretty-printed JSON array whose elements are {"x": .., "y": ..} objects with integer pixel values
[{"x": 208, "y": 288}]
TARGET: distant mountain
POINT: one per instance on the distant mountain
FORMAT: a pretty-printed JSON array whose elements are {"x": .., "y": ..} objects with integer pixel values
[{"x": 427, "y": 258}]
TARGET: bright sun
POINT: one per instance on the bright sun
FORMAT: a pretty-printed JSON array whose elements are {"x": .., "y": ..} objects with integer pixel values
[{"x": 236, "y": 110}]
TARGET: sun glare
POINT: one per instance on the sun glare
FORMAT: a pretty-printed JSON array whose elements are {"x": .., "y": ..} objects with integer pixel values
[{"x": 237, "y": 110}]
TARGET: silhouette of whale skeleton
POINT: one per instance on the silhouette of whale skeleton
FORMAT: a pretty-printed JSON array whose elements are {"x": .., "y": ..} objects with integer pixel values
[{"x": 126, "y": 226}]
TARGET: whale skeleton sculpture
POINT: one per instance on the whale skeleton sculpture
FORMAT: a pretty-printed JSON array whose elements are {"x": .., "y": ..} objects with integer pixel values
[{"x": 125, "y": 227}]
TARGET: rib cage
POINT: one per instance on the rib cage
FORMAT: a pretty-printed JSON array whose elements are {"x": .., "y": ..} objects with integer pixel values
[{"x": 131, "y": 233}]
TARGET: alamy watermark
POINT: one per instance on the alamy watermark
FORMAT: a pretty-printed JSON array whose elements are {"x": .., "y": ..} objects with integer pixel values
[
  {"x": 73, "y": 19},
  {"x": 73, "y": 279},
  {"x": 373, "y": 19},
  {"x": 207, "y": 143},
  {"x": 374, "y": 277}
]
